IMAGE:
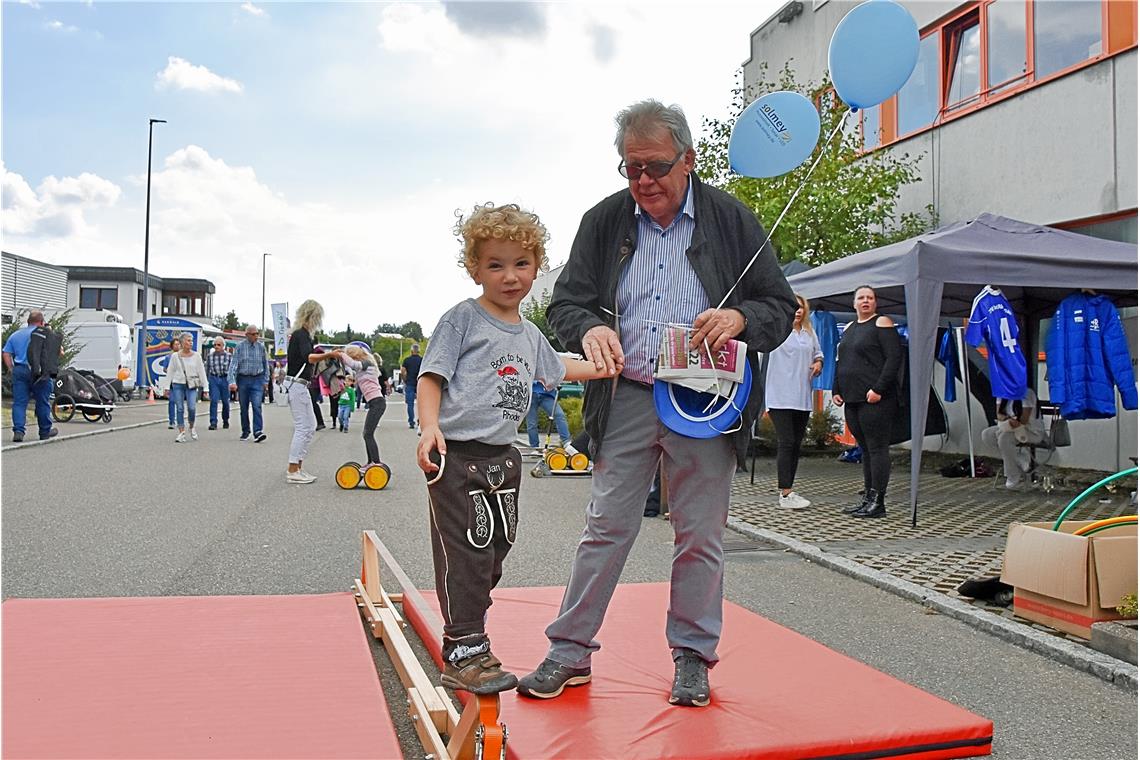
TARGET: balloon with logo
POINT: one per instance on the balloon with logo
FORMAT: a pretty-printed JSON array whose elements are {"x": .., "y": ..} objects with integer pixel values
[
  {"x": 774, "y": 134},
  {"x": 872, "y": 53}
]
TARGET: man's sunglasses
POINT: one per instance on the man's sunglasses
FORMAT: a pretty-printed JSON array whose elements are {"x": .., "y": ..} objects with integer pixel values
[{"x": 655, "y": 169}]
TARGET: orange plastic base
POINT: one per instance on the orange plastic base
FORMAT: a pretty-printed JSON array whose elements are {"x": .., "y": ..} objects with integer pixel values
[
  {"x": 776, "y": 694},
  {"x": 191, "y": 677}
]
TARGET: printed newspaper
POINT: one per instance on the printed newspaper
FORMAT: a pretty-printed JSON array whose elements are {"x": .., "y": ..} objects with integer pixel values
[{"x": 694, "y": 369}]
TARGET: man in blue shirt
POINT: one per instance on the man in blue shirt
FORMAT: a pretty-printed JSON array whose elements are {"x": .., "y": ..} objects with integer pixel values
[
  {"x": 24, "y": 386},
  {"x": 249, "y": 376}
]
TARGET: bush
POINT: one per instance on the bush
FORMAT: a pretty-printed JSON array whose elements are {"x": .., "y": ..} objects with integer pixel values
[
  {"x": 1127, "y": 606},
  {"x": 823, "y": 428}
]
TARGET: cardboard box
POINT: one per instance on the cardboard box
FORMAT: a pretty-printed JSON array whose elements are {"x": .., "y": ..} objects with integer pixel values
[{"x": 1069, "y": 582}]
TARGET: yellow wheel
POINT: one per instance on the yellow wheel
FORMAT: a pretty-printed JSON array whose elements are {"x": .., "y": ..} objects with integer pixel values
[
  {"x": 377, "y": 476},
  {"x": 579, "y": 461},
  {"x": 348, "y": 475},
  {"x": 557, "y": 460}
]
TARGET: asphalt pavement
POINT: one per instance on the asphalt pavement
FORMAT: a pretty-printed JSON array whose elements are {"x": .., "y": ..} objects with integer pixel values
[{"x": 135, "y": 514}]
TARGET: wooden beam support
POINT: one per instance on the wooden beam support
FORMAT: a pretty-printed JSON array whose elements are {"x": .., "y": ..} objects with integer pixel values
[{"x": 422, "y": 719}]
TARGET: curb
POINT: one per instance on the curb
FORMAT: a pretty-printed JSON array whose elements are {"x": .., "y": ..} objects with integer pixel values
[
  {"x": 85, "y": 434},
  {"x": 1105, "y": 667}
]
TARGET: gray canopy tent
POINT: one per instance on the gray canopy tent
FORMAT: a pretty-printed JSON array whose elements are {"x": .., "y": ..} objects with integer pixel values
[{"x": 939, "y": 273}]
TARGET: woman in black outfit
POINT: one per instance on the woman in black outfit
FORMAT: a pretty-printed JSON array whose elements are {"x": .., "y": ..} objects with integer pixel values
[{"x": 866, "y": 385}]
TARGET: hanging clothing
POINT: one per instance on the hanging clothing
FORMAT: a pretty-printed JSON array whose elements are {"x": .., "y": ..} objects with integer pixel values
[
  {"x": 1088, "y": 358},
  {"x": 948, "y": 355},
  {"x": 993, "y": 322},
  {"x": 827, "y": 331}
]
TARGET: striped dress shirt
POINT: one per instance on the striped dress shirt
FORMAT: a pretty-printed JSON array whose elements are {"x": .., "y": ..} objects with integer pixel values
[{"x": 658, "y": 286}]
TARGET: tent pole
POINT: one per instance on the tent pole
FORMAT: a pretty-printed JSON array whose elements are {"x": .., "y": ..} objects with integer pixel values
[{"x": 960, "y": 342}]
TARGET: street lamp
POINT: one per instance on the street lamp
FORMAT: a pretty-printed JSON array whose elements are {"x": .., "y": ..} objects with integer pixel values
[
  {"x": 146, "y": 251},
  {"x": 263, "y": 257}
]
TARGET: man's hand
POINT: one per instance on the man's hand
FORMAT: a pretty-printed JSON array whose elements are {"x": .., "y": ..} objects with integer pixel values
[
  {"x": 717, "y": 327},
  {"x": 837, "y": 400},
  {"x": 431, "y": 439},
  {"x": 872, "y": 397},
  {"x": 602, "y": 348}
]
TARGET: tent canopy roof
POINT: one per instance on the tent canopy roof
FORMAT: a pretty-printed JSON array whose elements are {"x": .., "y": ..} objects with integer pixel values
[{"x": 1035, "y": 267}]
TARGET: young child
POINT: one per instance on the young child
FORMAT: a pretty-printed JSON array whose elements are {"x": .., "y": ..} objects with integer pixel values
[
  {"x": 473, "y": 391},
  {"x": 370, "y": 385},
  {"x": 346, "y": 402}
]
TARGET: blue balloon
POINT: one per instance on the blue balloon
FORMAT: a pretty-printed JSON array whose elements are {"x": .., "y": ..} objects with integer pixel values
[
  {"x": 774, "y": 135},
  {"x": 873, "y": 52}
]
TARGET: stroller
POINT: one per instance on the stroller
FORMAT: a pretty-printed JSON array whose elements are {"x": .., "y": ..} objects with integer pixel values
[
  {"x": 109, "y": 390},
  {"x": 74, "y": 391}
]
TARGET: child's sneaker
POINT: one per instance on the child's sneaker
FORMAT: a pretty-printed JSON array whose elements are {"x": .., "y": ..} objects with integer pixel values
[
  {"x": 569, "y": 449},
  {"x": 181, "y": 438},
  {"x": 551, "y": 679},
  {"x": 194, "y": 434},
  {"x": 478, "y": 674}
]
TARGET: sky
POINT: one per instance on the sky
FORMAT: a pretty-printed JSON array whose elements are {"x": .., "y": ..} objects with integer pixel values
[{"x": 340, "y": 138}]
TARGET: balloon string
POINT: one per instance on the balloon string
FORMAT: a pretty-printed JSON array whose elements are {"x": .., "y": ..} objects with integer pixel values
[{"x": 780, "y": 218}]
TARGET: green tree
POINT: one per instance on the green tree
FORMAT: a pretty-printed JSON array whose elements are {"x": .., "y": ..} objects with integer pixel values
[
  {"x": 850, "y": 202},
  {"x": 534, "y": 309},
  {"x": 229, "y": 322},
  {"x": 411, "y": 330}
]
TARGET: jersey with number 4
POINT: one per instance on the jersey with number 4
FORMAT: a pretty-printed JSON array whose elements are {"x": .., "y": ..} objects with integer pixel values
[{"x": 992, "y": 321}]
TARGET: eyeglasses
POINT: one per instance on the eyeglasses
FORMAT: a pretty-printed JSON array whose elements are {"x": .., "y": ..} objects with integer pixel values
[{"x": 655, "y": 169}]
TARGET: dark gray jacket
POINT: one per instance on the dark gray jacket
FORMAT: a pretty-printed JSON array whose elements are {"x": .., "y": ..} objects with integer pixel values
[{"x": 725, "y": 237}]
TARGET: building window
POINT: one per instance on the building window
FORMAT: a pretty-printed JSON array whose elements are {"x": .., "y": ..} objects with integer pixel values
[
  {"x": 139, "y": 305},
  {"x": 964, "y": 62},
  {"x": 1006, "y": 38},
  {"x": 99, "y": 298},
  {"x": 1064, "y": 34},
  {"x": 192, "y": 304},
  {"x": 919, "y": 97}
]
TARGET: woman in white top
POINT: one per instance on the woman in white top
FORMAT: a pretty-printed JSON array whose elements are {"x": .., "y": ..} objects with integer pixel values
[
  {"x": 787, "y": 391},
  {"x": 187, "y": 373}
]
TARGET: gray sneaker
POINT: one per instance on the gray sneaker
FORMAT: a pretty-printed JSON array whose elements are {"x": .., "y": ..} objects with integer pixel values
[
  {"x": 690, "y": 681},
  {"x": 551, "y": 678}
]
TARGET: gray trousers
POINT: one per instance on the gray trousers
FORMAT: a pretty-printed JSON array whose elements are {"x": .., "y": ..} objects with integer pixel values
[
  {"x": 699, "y": 474},
  {"x": 304, "y": 420}
]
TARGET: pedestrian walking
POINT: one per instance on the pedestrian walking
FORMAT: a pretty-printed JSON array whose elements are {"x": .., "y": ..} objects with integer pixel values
[
  {"x": 164, "y": 383},
  {"x": 866, "y": 385},
  {"x": 787, "y": 386},
  {"x": 409, "y": 374},
  {"x": 218, "y": 372},
  {"x": 301, "y": 357},
  {"x": 27, "y": 382},
  {"x": 249, "y": 376},
  {"x": 187, "y": 375}
]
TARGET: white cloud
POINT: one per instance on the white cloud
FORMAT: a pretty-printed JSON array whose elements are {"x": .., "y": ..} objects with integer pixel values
[
  {"x": 57, "y": 207},
  {"x": 252, "y": 9},
  {"x": 180, "y": 74},
  {"x": 56, "y": 25},
  {"x": 31, "y": 3}
]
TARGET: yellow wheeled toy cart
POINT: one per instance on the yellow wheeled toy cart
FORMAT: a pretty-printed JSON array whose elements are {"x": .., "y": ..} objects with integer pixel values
[
  {"x": 375, "y": 477},
  {"x": 556, "y": 460}
]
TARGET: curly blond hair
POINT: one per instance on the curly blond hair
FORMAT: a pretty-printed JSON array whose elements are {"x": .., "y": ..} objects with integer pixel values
[{"x": 509, "y": 222}]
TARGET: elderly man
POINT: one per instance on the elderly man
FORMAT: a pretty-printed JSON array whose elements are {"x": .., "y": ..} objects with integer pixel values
[
  {"x": 249, "y": 375},
  {"x": 665, "y": 250},
  {"x": 25, "y": 385},
  {"x": 218, "y": 373}
]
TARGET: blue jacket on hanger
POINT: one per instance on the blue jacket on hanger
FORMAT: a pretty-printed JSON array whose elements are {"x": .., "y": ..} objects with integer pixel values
[
  {"x": 1088, "y": 358},
  {"x": 827, "y": 331}
]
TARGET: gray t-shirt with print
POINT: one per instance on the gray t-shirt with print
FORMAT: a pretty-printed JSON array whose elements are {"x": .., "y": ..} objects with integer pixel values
[{"x": 487, "y": 366}]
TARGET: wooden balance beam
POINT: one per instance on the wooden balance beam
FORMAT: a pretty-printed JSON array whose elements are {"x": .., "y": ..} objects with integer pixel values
[{"x": 477, "y": 732}]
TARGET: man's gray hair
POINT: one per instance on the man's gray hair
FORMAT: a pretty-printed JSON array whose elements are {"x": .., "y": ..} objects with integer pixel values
[
  {"x": 415, "y": 346},
  {"x": 646, "y": 118}
]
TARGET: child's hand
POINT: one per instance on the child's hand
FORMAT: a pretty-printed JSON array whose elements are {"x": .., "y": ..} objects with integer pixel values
[{"x": 431, "y": 439}]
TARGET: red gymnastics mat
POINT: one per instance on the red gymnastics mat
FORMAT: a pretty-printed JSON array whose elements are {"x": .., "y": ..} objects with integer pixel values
[
  {"x": 776, "y": 694},
  {"x": 191, "y": 677}
]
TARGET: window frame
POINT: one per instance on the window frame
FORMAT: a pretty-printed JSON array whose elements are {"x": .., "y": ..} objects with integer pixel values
[
  {"x": 100, "y": 292},
  {"x": 991, "y": 93}
]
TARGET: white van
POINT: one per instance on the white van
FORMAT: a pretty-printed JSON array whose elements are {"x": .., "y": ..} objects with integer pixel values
[{"x": 106, "y": 347}]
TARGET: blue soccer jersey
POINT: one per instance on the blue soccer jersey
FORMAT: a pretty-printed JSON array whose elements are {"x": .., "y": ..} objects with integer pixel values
[{"x": 992, "y": 320}]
